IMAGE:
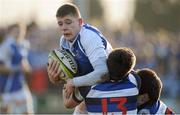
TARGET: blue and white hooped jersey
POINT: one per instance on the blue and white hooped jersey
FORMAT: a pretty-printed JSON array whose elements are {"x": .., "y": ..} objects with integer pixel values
[
  {"x": 113, "y": 97},
  {"x": 87, "y": 47},
  {"x": 11, "y": 54},
  {"x": 158, "y": 108}
]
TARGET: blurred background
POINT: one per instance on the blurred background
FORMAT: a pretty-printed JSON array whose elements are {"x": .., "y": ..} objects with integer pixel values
[{"x": 150, "y": 27}]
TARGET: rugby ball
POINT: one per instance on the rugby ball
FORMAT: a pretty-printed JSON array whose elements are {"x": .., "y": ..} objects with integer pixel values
[{"x": 67, "y": 62}]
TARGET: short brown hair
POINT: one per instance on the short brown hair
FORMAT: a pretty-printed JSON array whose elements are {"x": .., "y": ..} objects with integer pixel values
[
  {"x": 150, "y": 84},
  {"x": 68, "y": 9},
  {"x": 120, "y": 62}
]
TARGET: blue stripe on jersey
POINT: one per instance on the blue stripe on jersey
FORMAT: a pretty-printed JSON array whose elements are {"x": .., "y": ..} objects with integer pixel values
[
  {"x": 79, "y": 41},
  {"x": 112, "y": 106},
  {"x": 3, "y": 81},
  {"x": 87, "y": 26},
  {"x": 84, "y": 65},
  {"x": 16, "y": 61},
  {"x": 114, "y": 86},
  {"x": 17, "y": 57},
  {"x": 154, "y": 108}
]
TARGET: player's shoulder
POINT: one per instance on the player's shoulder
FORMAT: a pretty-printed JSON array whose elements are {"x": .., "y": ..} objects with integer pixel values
[
  {"x": 89, "y": 31},
  {"x": 90, "y": 27},
  {"x": 8, "y": 41},
  {"x": 6, "y": 44},
  {"x": 134, "y": 78},
  {"x": 90, "y": 34},
  {"x": 6, "y": 49}
]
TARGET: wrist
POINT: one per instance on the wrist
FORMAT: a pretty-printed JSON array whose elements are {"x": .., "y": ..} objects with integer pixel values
[{"x": 70, "y": 82}]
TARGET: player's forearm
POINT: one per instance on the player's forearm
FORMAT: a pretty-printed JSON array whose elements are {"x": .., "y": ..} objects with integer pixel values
[
  {"x": 26, "y": 68},
  {"x": 68, "y": 102},
  {"x": 4, "y": 70},
  {"x": 8, "y": 70},
  {"x": 96, "y": 76}
]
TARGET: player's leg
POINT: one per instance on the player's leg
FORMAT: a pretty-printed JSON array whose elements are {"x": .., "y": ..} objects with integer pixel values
[
  {"x": 5, "y": 103},
  {"x": 3, "y": 108},
  {"x": 22, "y": 102}
]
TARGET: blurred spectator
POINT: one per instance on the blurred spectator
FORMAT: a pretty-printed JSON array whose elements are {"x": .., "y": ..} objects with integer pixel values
[{"x": 14, "y": 67}]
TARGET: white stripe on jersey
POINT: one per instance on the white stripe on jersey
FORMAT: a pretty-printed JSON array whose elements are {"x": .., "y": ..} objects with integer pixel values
[
  {"x": 132, "y": 79},
  {"x": 162, "y": 108},
  {"x": 114, "y": 113},
  {"x": 116, "y": 93}
]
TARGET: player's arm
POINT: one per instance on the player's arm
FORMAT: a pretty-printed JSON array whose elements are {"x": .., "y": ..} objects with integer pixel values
[
  {"x": 25, "y": 63},
  {"x": 72, "y": 101},
  {"x": 7, "y": 69},
  {"x": 97, "y": 55},
  {"x": 3, "y": 68},
  {"x": 96, "y": 76},
  {"x": 26, "y": 67}
]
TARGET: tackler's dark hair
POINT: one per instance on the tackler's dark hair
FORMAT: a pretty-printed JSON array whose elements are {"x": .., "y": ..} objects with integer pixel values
[
  {"x": 120, "y": 62},
  {"x": 150, "y": 84}
]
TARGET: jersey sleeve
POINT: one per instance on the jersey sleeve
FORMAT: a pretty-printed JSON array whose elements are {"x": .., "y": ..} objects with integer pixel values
[
  {"x": 94, "y": 46},
  {"x": 96, "y": 76},
  {"x": 96, "y": 52}
]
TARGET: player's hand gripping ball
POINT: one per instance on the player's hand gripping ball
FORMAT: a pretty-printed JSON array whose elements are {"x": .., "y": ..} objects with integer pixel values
[{"x": 67, "y": 62}]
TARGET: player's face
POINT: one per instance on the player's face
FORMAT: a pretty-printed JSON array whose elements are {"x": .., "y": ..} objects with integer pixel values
[
  {"x": 69, "y": 26},
  {"x": 143, "y": 98}
]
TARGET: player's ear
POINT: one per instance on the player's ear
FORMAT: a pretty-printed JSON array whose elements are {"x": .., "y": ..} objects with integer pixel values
[{"x": 80, "y": 21}]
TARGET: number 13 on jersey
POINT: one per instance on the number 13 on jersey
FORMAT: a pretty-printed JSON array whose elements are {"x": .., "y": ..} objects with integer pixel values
[{"x": 119, "y": 101}]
